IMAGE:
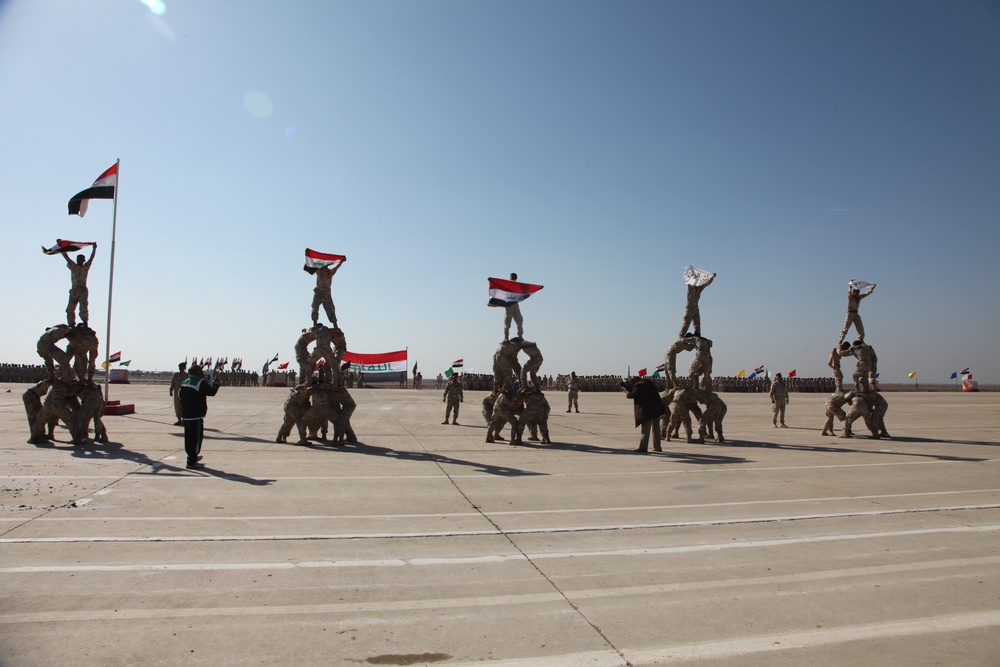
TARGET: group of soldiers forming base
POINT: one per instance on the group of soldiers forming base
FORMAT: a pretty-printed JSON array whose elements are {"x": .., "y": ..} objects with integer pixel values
[
  {"x": 322, "y": 397},
  {"x": 68, "y": 393},
  {"x": 864, "y": 401}
]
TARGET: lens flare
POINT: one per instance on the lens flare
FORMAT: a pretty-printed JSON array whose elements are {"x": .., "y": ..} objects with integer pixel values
[
  {"x": 258, "y": 104},
  {"x": 158, "y": 7}
]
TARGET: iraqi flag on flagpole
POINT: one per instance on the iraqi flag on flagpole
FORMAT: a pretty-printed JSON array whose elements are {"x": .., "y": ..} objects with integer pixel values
[
  {"x": 103, "y": 188},
  {"x": 505, "y": 293},
  {"x": 316, "y": 260},
  {"x": 63, "y": 246}
]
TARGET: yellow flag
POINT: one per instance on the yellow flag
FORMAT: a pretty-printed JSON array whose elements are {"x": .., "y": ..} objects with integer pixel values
[
  {"x": 913, "y": 375},
  {"x": 742, "y": 373},
  {"x": 104, "y": 365}
]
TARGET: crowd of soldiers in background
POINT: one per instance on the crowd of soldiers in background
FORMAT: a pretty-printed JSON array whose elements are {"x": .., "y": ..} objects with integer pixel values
[
  {"x": 484, "y": 382},
  {"x": 592, "y": 383},
  {"x": 22, "y": 373}
]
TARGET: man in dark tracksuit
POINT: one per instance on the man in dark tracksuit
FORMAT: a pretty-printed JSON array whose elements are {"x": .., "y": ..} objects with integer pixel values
[{"x": 194, "y": 393}]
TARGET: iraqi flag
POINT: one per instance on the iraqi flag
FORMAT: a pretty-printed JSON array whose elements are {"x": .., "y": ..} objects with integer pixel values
[
  {"x": 317, "y": 260},
  {"x": 458, "y": 363},
  {"x": 63, "y": 246},
  {"x": 383, "y": 362},
  {"x": 115, "y": 358},
  {"x": 103, "y": 188},
  {"x": 505, "y": 293},
  {"x": 759, "y": 369}
]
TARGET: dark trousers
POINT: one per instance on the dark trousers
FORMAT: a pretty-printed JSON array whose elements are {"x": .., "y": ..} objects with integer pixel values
[{"x": 194, "y": 430}]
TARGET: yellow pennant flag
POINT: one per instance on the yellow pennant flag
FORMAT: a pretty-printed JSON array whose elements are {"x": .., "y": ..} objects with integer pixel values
[
  {"x": 913, "y": 375},
  {"x": 742, "y": 373}
]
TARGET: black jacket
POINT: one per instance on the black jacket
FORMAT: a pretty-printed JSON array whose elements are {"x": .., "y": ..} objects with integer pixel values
[
  {"x": 194, "y": 393},
  {"x": 648, "y": 404}
]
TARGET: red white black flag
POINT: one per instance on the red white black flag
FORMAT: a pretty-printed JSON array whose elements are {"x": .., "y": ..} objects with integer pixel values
[
  {"x": 316, "y": 260},
  {"x": 62, "y": 246},
  {"x": 103, "y": 188},
  {"x": 504, "y": 293}
]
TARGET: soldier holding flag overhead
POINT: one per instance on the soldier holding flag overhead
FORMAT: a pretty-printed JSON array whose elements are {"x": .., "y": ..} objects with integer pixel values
[{"x": 78, "y": 294}]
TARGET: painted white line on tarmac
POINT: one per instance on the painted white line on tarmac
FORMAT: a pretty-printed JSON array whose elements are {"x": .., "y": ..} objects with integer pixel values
[
  {"x": 812, "y": 638},
  {"x": 518, "y": 556},
  {"x": 488, "y": 532},
  {"x": 458, "y": 515}
]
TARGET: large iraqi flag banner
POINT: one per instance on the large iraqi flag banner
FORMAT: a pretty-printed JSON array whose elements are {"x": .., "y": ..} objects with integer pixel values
[
  {"x": 381, "y": 362},
  {"x": 505, "y": 293},
  {"x": 103, "y": 188}
]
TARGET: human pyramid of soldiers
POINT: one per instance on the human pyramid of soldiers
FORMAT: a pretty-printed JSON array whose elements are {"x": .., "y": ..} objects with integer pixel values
[
  {"x": 321, "y": 397},
  {"x": 68, "y": 394},
  {"x": 517, "y": 398},
  {"x": 680, "y": 402},
  {"x": 863, "y": 401}
]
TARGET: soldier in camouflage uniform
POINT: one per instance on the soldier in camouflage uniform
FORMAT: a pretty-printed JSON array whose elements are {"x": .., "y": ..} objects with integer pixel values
[
  {"x": 866, "y": 368},
  {"x": 60, "y": 403},
  {"x": 82, "y": 349},
  {"x": 175, "y": 386},
  {"x": 854, "y": 297},
  {"x": 701, "y": 367},
  {"x": 339, "y": 343},
  {"x": 296, "y": 407},
  {"x": 513, "y": 312},
  {"x": 859, "y": 410},
  {"x": 302, "y": 355},
  {"x": 779, "y": 399},
  {"x": 453, "y": 395},
  {"x": 91, "y": 408},
  {"x": 346, "y": 407},
  {"x": 684, "y": 343},
  {"x": 833, "y": 362},
  {"x": 322, "y": 294},
  {"x": 877, "y": 407},
  {"x": 78, "y": 294},
  {"x": 53, "y": 354},
  {"x": 324, "y": 351},
  {"x": 33, "y": 402},
  {"x": 324, "y": 410},
  {"x": 532, "y": 365},
  {"x": 505, "y": 410},
  {"x": 574, "y": 392},
  {"x": 835, "y": 408},
  {"x": 680, "y": 413},
  {"x": 493, "y": 423},
  {"x": 536, "y": 414},
  {"x": 505, "y": 365},
  {"x": 711, "y": 419},
  {"x": 691, "y": 311}
]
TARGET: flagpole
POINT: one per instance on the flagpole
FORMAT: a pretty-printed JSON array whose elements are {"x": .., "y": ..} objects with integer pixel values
[{"x": 111, "y": 284}]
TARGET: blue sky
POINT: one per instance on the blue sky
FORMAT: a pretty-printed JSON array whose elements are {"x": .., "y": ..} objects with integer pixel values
[{"x": 595, "y": 148}]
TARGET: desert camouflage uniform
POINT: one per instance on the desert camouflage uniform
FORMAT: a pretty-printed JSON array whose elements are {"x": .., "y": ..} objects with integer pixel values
[
  {"x": 33, "y": 401},
  {"x": 91, "y": 408},
  {"x": 715, "y": 412},
  {"x": 779, "y": 398},
  {"x": 175, "y": 385},
  {"x": 536, "y": 414},
  {"x": 853, "y": 304},
  {"x": 78, "y": 293},
  {"x": 691, "y": 311},
  {"x": 302, "y": 354},
  {"x": 505, "y": 365},
  {"x": 513, "y": 313},
  {"x": 701, "y": 367},
  {"x": 835, "y": 408},
  {"x": 82, "y": 349},
  {"x": 322, "y": 295},
  {"x": 574, "y": 393},
  {"x": 859, "y": 410},
  {"x": 681, "y": 344},
  {"x": 324, "y": 351},
  {"x": 52, "y": 354},
  {"x": 504, "y": 410},
  {"x": 296, "y": 407},
  {"x": 865, "y": 369},
  {"x": 877, "y": 407},
  {"x": 679, "y": 413},
  {"x": 453, "y": 395},
  {"x": 532, "y": 365}
]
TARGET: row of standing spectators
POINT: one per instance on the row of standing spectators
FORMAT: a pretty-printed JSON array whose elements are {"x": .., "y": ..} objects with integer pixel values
[
  {"x": 22, "y": 373},
  {"x": 745, "y": 385}
]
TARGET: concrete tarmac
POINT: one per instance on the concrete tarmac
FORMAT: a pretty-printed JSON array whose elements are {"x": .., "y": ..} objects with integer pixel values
[{"x": 424, "y": 545}]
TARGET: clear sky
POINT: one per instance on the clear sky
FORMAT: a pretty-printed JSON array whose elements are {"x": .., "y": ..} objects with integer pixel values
[{"x": 595, "y": 148}]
